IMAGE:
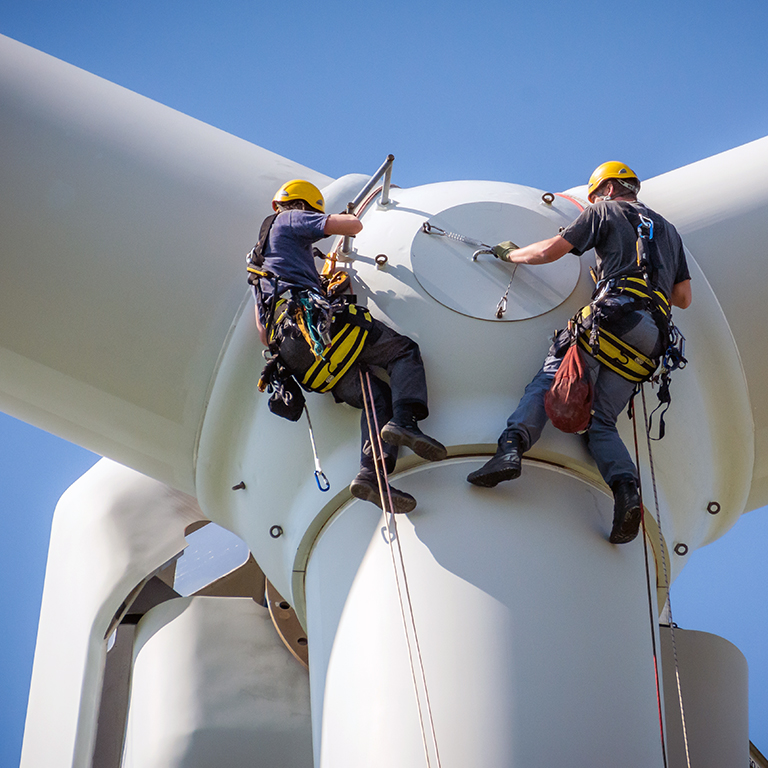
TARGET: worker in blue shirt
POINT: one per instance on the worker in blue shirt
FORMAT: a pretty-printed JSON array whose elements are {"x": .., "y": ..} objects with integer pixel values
[{"x": 288, "y": 254}]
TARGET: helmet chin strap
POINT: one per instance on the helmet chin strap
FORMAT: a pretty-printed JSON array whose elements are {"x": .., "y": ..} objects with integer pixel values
[{"x": 626, "y": 185}]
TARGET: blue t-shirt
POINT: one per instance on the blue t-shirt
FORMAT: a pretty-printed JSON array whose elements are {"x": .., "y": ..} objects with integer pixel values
[{"x": 288, "y": 250}]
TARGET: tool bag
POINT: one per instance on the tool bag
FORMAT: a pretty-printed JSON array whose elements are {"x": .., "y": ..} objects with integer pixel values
[
  {"x": 294, "y": 346},
  {"x": 285, "y": 396},
  {"x": 568, "y": 402}
]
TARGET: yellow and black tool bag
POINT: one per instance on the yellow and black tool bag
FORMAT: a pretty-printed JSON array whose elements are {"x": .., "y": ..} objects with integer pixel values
[
  {"x": 611, "y": 351},
  {"x": 349, "y": 331}
]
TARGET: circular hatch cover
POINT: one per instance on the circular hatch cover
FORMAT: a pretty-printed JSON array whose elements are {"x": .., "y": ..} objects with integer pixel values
[{"x": 445, "y": 269}]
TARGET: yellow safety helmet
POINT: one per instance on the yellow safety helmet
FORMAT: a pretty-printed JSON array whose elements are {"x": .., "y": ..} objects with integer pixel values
[
  {"x": 610, "y": 170},
  {"x": 299, "y": 189}
]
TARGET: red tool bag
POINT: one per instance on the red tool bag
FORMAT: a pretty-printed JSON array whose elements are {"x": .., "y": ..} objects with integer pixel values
[{"x": 569, "y": 400}]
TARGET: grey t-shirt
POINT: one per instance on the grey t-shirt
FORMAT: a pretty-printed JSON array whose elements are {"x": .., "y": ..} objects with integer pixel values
[{"x": 604, "y": 227}]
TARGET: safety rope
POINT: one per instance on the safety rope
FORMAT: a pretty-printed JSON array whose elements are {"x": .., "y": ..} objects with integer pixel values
[
  {"x": 501, "y": 307},
  {"x": 651, "y": 617},
  {"x": 403, "y": 592},
  {"x": 663, "y": 556}
]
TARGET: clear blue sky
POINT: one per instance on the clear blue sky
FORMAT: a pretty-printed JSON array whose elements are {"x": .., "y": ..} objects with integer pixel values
[{"x": 534, "y": 93}]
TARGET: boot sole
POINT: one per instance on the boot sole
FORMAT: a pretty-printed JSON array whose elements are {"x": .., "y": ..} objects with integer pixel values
[
  {"x": 422, "y": 445},
  {"x": 628, "y": 528},
  {"x": 402, "y": 503},
  {"x": 492, "y": 479}
]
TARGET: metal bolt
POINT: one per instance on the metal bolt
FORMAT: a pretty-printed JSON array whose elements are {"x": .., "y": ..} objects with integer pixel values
[{"x": 239, "y": 487}]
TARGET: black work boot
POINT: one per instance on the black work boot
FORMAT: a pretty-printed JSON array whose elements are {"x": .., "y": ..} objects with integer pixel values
[
  {"x": 405, "y": 431},
  {"x": 627, "y": 511},
  {"x": 365, "y": 487},
  {"x": 505, "y": 465}
]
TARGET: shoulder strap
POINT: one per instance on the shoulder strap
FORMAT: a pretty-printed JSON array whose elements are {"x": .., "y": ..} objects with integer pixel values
[
  {"x": 256, "y": 257},
  {"x": 647, "y": 256}
]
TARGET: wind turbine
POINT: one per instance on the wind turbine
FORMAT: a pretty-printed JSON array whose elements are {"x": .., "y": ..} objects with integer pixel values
[{"x": 509, "y": 627}]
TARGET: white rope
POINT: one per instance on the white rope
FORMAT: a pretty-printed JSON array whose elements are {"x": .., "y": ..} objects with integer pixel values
[
  {"x": 403, "y": 592},
  {"x": 666, "y": 578},
  {"x": 652, "y": 619}
]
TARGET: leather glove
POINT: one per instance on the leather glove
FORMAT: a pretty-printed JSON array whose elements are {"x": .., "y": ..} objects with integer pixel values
[{"x": 502, "y": 250}]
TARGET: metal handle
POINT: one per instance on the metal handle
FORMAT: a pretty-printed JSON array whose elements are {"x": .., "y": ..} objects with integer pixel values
[{"x": 386, "y": 171}]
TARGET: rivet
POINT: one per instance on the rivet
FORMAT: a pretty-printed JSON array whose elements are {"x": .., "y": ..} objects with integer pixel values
[
  {"x": 713, "y": 507},
  {"x": 681, "y": 549},
  {"x": 276, "y": 531}
]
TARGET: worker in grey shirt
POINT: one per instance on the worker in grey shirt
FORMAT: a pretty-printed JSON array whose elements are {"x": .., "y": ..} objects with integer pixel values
[{"x": 609, "y": 226}]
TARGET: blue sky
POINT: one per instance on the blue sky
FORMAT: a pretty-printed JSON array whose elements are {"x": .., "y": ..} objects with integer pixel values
[{"x": 533, "y": 93}]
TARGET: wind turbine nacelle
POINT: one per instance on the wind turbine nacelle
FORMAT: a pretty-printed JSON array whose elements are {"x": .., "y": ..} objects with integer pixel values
[{"x": 438, "y": 290}]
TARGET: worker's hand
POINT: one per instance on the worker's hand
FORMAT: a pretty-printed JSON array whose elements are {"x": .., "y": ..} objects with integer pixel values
[{"x": 502, "y": 250}]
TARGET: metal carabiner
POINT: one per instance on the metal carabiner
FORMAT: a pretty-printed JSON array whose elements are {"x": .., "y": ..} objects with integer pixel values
[
  {"x": 645, "y": 223},
  {"x": 323, "y": 483}
]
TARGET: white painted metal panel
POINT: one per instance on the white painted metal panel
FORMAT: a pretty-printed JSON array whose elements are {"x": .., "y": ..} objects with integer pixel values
[{"x": 213, "y": 685}]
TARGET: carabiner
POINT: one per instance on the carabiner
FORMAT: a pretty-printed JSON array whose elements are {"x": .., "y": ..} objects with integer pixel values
[
  {"x": 501, "y": 307},
  {"x": 322, "y": 481},
  {"x": 645, "y": 223}
]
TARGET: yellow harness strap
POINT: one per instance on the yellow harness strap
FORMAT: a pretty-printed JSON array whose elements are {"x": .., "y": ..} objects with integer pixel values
[
  {"x": 616, "y": 354},
  {"x": 339, "y": 355}
]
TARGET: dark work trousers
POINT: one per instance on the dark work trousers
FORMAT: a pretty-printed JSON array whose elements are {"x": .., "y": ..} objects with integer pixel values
[
  {"x": 399, "y": 357},
  {"x": 612, "y": 394}
]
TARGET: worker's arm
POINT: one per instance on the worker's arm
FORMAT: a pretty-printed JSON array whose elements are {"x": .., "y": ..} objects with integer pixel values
[
  {"x": 262, "y": 330},
  {"x": 342, "y": 224},
  {"x": 681, "y": 294},
  {"x": 543, "y": 252}
]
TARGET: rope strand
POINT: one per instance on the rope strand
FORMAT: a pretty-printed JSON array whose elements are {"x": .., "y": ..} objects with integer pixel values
[
  {"x": 666, "y": 577},
  {"x": 648, "y": 588},
  {"x": 392, "y": 536}
]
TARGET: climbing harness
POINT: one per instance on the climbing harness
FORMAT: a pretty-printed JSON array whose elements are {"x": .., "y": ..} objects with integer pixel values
[
  {"x": 501, "y": 307},
  {"x": 635, "y": 291},
  {"x": 344, "y": 348},
  {"x": 403, "y": 591},
  {"x": 632, "y": 414},
  {"x": 334, "y": 331},
  {"x": 610, "y": 350},
  {"x": 431, "y": 229},
  {"x": 322, "y": 481}
]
